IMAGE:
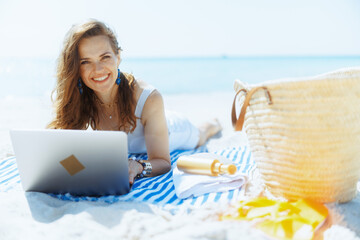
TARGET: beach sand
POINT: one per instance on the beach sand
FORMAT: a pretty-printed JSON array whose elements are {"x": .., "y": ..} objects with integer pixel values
[{"x": 39, "y": 216}]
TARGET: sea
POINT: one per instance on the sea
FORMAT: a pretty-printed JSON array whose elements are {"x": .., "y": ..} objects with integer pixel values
[{"x": 35, "y": 77}]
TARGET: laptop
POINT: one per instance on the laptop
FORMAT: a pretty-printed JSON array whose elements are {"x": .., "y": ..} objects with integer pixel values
[{"x": 79, "y": 162}]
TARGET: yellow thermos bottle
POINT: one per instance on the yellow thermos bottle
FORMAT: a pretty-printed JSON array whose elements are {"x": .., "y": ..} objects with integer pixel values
[{"x": 204, "y": 164}]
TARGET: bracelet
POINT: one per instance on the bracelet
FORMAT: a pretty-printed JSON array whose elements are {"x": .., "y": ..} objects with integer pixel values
[{"x": 147, "y": 168}]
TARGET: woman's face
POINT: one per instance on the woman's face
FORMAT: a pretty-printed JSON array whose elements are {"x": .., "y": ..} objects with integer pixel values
[{"x": 98, "y": 64}]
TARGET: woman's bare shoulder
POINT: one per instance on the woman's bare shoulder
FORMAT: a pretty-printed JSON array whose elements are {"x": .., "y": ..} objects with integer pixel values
[{"x": 140, "y": 85}]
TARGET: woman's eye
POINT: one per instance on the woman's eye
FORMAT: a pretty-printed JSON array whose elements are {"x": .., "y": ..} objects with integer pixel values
[
  {"x": 106, "y": 57},
  {"x": 84, "y": 62}
]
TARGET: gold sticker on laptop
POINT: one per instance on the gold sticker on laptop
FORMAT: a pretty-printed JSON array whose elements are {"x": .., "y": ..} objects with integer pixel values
[{"x": 72, "y": 165}]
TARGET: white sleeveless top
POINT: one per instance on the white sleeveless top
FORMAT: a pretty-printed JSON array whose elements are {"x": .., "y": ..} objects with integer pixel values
[
  {"x": 136, "y": 139},
  {"x": 183, "y": 135}
]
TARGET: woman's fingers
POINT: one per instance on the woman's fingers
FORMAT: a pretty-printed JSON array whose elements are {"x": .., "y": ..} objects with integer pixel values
[
  {"x": 134, "y": 169},
  {"x": 131, "y": 178}
]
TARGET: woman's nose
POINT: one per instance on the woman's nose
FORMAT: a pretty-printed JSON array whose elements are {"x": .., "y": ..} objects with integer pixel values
[{"x": 98, "y": 66}]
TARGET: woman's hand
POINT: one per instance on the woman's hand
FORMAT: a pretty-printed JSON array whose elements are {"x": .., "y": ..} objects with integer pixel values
[{"x": 135, "y": 168}]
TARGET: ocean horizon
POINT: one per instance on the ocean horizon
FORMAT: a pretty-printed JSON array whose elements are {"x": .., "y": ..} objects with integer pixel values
[{"x": 35, "y": 77}]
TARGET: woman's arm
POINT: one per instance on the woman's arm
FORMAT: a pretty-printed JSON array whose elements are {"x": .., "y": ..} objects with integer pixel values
[{"x": 156, "y": 137}]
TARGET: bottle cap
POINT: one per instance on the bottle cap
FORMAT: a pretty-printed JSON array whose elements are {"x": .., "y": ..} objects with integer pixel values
[
  {"x": 225, "y": 168},
  {"x": 230, "y": 169}
]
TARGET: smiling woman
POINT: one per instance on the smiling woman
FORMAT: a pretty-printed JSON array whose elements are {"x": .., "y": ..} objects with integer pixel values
[
  {"x": 98, "y": 64},
  {"x": 90, "y": 53},
  {"x": 92, "y": 92}
]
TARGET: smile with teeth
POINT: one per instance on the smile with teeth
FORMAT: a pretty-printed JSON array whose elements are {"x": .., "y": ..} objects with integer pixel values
[{"x": 99, "y": 79}]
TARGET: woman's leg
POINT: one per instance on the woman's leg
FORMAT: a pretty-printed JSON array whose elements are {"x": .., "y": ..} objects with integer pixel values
[{"x": 183, "y": 135}]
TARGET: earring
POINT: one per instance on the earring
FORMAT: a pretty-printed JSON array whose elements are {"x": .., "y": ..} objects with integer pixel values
[
  {"x": 79, "y": 85},
  {"x": 118, "y": 80}
]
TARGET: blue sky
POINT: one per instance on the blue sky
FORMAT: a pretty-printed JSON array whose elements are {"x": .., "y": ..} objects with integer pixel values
[{"x": 164, "y": 28}]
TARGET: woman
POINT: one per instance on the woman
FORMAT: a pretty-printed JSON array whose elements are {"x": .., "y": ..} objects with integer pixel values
[{"x": 92, "y": 92}]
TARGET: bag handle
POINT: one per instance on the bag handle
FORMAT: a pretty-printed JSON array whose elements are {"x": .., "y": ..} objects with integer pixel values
[{"x": 238, "y": 123}]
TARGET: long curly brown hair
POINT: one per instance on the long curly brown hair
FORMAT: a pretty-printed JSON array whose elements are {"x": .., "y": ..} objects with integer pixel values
[{"x": 77, "y": 111}]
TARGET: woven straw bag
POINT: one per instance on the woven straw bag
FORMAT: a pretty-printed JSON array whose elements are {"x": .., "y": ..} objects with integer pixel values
[{"x": 304, "y": 134}]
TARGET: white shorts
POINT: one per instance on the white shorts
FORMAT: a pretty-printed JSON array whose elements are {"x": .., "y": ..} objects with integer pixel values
[{"x": 183, "y": 135}]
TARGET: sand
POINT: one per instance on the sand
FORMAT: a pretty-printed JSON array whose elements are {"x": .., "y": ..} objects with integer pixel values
[{"x": 39, "y": 216}]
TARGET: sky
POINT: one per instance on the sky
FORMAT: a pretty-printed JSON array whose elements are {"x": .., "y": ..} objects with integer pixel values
[{"x": 179, "y": 28}]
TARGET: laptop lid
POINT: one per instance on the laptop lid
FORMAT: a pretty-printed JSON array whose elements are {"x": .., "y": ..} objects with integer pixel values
[{"x": 78, "y": 162}]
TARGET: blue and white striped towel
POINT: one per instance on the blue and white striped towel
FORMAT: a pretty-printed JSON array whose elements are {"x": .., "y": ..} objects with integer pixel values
[{"x": 155, "y": 190}]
